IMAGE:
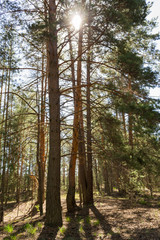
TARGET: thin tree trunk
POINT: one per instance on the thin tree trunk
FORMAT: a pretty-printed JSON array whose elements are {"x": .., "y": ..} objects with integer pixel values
[
  {"x": 130, "y": 120},
  {"x": 82, "y": 172},
  {"x": 81, "y": 144},
  {"x": 39, "y": 155},
  {"x": 5, "y": 140},
  {"x": 106, "y": 179},
  {"x": 41, "y": 161},
  {"x": 39, "y": 170},
  {"x": 64, "y": 174},
  {"x": 2, "y": 81},
  {"x": 3, "y": 181},
  {"x": 96, "y": 175},
  {"x": 124, "y": 124},
  {"x": 71, "y": 203},
  {"x": 89, "y": 140}
]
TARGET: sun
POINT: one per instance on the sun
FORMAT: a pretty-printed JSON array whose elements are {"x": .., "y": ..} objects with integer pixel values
[{"x": 76, "y": 21}]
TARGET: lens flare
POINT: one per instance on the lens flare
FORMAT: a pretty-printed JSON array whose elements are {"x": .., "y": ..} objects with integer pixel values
[{"x": 76, "y": 21}]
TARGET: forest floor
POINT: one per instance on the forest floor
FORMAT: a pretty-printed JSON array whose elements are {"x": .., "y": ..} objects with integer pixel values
[{"x": 110, "y": 218}]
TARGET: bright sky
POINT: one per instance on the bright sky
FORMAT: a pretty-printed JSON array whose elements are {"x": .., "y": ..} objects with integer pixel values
[{"x": 155, "y": 12}]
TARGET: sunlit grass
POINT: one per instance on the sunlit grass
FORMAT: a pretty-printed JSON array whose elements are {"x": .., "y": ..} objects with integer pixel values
[
  {"x": 62, "y": 230},
  {"x": 30, "y": 229},
  {"x": 8, "y": 228}
]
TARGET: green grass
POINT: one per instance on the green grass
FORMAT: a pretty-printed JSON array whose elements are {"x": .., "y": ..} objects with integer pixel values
[
  {"x": 13, "y": 237},
  {"x": 88, "y": 220},
  {"x": 8, "y": 228},
  {"x": 81, "y": 229},
  {"x": 96, "y": 223},
  {"x": 62, "y": 230},
  {"x": 39, "y": 225},
  {"x": 68, "y": 219},
  {"x": 30, "y": 229},
  {"x": 142, "y": 201},
  {"x": 37, "y": 207}
]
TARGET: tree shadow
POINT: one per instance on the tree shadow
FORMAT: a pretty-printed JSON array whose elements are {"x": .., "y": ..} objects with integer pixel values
[
  {"x": 32, "y": 212},
  {"x": 105, "y": 225},
  {"x": 72, "y": 231},
  {"x": 10, "y": 206},
  {"x": 48, "y": 233},
  {"x": 80, "y": 226},
  {"x": 146, "y": 234},
  {"x": 87, "y": 224}
]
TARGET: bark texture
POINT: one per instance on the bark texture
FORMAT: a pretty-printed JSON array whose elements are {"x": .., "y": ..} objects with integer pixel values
[{"x": 53, "y": 203}]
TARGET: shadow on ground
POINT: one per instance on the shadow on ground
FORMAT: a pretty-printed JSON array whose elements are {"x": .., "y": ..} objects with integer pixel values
[
  {"x": 48, "y": 233},
  {"x": 105, "y": 225},
  {"x": 146, "y": 234},
  {"x": 81, "y": 226}
]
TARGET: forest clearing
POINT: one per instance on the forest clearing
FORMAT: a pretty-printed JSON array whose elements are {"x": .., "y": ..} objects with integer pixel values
[
  {"x": 109, "y": 218},
  {"x": 79, "y": 129}
]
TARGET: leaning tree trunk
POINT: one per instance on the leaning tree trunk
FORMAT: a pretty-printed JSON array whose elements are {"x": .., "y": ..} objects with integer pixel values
[{"x": 53, "y": 203}]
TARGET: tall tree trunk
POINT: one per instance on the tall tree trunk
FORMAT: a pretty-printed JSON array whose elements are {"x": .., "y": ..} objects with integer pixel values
[
  {"x": 64, "y": 174},
  {"x": 124, "y": 124},
  {"x": 41, "y": 161},
  {"x": 3, "y": 181},
  {"x": 81, "y": 143},
  {"x": 39, "y": 164},
  {"x": 96, "y": 175},
  {"x": 42, "y": 131},
  {"x": 53, "y": 203},
  {"x": 89, "y": 141},
  {"x": 106, "y": 179},
  {"x": 40, "y": 201},
  {"x": 130, "y": 118},
  {"x": 18, "y": 181},
  {"x": 71, "y": 203},
  {"x": 82, "y": 167},
  {"x": 1, "y": 126}
]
